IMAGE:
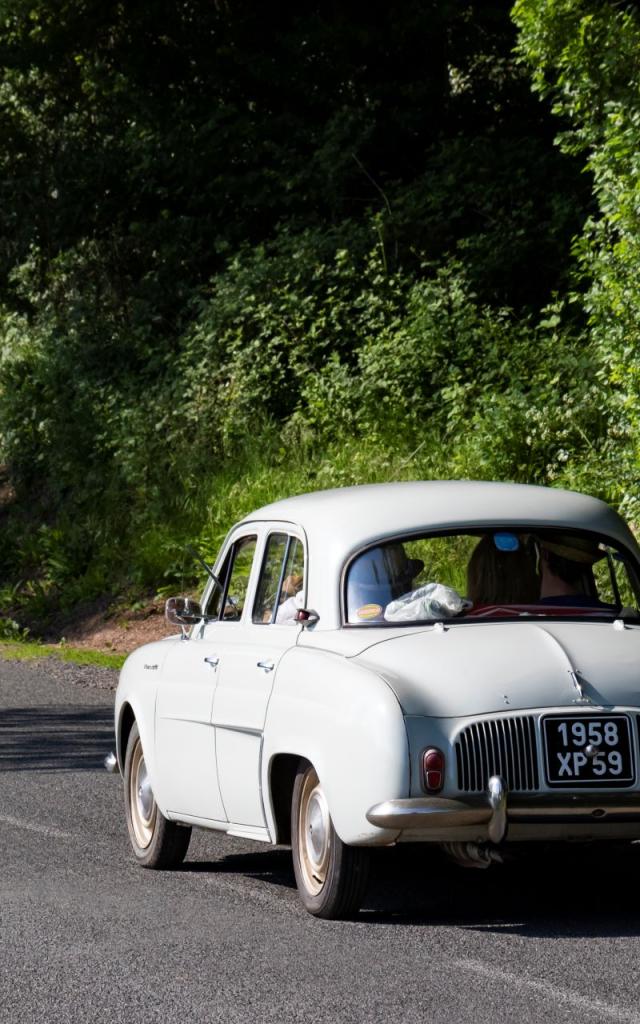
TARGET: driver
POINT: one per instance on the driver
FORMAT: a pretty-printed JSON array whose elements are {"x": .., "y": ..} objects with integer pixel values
[
  {"x": 566, "y": 571},
  {"x": 291, "y": 599}
]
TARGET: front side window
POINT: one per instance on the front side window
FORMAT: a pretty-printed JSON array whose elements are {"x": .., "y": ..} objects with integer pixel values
[
  {"x": 227, "y": 600},
  {"x": 496, "y": 572},
  {"x": 213, "y": 606}
]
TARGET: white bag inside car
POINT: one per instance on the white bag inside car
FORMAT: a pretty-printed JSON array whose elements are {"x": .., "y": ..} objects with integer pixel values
[{"x": 431, "y": 601}]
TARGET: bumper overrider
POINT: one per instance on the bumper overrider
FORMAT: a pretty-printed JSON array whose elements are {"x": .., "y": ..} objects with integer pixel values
[{"x": 492, "y": 812}]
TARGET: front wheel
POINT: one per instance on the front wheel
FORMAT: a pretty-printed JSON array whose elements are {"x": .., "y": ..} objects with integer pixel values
[
  {"x": 156, "y": 842},
  {"x": 331, "y": 877}
]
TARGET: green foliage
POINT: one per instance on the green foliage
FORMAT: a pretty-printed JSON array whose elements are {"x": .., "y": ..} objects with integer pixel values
[
  {"x": 11, "y": 631},
  {"x": 249, "y": 252},
  {"x": 24, "y": 651},
  {"x": 586, "y": 56},
  {"x": 306, "y": 366}
]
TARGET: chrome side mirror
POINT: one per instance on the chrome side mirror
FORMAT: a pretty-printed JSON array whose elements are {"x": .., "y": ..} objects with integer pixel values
[{"x": 183, "y": 611}]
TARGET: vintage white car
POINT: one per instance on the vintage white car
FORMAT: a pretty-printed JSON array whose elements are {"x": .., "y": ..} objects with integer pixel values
[{"x": 446, "y": 662}]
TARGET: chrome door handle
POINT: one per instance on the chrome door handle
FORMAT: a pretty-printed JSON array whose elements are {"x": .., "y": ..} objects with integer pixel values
[
  {"x": 266, "y": 666},
  {"x": 213, "y": 661}
]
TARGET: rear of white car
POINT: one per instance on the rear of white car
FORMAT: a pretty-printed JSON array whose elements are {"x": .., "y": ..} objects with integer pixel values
[{"x": 461, "y": 666}]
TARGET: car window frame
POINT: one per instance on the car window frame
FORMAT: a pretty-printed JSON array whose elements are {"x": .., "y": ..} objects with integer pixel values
[
  {"x": 234, "y": 537},
  {"x": 291, "y": 536},
  {"x": 516, "y": 527},
  {"x": 252, "y": 535},
  {"x": 262, "y": 529}
]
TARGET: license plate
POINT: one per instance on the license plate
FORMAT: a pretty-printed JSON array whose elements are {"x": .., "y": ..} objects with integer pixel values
[{"x": 590, "y": 751}]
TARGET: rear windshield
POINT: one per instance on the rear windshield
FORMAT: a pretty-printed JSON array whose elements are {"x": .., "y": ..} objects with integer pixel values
[{"x": 492, "y": 573}]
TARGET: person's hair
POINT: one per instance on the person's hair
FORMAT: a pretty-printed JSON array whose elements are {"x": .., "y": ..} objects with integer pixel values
[{"x": 502, "y": 577}]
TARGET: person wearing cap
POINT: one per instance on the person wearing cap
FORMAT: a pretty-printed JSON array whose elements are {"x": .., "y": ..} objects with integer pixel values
[
  {"x": 566, "y": 571},
  {"x": 401, "y": 569}
]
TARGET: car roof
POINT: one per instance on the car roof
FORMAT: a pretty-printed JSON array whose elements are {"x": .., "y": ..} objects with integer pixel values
[
  {"x": 342, "y": 521},
  {"x": 367, "y": 512}
]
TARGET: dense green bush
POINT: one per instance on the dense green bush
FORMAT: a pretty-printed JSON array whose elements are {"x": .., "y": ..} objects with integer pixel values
[
  {"x": 585, "y": 56},
  {"x": 299, "y": 353},
  {"x": 247, "y": 253}
]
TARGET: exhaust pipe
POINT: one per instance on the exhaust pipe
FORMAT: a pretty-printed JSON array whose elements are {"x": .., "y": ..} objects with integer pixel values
[{"x": 111, "y": 763}]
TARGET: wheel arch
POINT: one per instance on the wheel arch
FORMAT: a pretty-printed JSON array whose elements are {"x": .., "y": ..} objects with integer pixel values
[
  {"x": 125, "y": 724},
  {"x": 282, "y": 776},
  {"x": 136, "y": 701}
]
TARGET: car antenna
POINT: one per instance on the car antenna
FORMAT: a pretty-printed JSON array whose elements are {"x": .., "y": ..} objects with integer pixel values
[{"x": 207, "y": 568}]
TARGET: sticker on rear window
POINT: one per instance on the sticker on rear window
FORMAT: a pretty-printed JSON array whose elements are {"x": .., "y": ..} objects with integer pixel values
[{"x": 369, "y": 611}]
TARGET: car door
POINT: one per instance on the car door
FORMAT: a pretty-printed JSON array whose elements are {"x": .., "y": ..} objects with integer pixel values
[
  {"x": 185, "y": 735},
  {"x": 267, "y": 629}
]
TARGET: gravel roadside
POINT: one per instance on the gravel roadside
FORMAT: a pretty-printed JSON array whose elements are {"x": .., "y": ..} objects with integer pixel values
[{"x": 88, "y": 676}]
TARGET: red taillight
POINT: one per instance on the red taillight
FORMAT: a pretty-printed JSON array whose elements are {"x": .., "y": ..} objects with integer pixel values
[{"x": 433, "y": 770}]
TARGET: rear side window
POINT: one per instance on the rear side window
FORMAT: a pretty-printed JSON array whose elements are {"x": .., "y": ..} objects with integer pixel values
[
  {"x": 270, "y": 575},
  {"x": 281, "y": 583}
]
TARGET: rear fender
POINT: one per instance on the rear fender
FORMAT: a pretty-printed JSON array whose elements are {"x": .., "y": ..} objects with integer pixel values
[{"x": 346, "y": 721}]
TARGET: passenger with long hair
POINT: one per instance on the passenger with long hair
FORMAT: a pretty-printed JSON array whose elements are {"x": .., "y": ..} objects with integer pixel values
[{"x": 502, "y": 575}]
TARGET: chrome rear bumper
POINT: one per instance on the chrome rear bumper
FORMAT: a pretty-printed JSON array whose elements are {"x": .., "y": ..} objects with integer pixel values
[
  {"x": 440, "y": 813},
  {"x": 493, "y": 812}
]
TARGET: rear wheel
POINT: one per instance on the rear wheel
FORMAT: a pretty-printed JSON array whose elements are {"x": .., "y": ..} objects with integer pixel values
[
  {"x": 156, "y": 842},
  {"x": 331, "y": 876}
]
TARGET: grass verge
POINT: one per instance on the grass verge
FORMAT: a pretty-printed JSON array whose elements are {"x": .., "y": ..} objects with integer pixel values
[{"x": 25, "y": 651}]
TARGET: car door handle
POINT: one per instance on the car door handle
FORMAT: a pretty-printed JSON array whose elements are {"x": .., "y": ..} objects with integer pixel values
[
  {"x": 213, "y": 660},
  {"x": 266, "y": 666}
]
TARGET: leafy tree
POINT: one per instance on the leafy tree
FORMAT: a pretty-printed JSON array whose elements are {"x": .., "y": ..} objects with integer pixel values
[
  {"x": 585, "y": 54},
  {"x": 229, "y": 229}
]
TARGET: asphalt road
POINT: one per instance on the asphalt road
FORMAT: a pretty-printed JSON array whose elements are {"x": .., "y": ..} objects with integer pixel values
[{"x": 89, "y": 936}]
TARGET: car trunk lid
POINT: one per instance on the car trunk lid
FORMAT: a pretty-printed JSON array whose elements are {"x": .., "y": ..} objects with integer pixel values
[{"x": 466, "y": 669}]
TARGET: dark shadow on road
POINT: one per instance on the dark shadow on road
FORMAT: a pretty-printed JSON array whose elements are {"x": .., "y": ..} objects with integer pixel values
[
  {"x": 272, "y": 866},
  {"x": 55, "y": 738},
  {"x": 545, "y": 892},
  {"x": 553, "y": 891}
]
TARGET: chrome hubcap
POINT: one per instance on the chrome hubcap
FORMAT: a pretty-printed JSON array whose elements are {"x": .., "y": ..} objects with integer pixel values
[
  {"x": 145, "y": 795},
  {"x": 141, "y": 800},
  {"x": 317, "y": 828},
  {"x": 314, "y": 833}
]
